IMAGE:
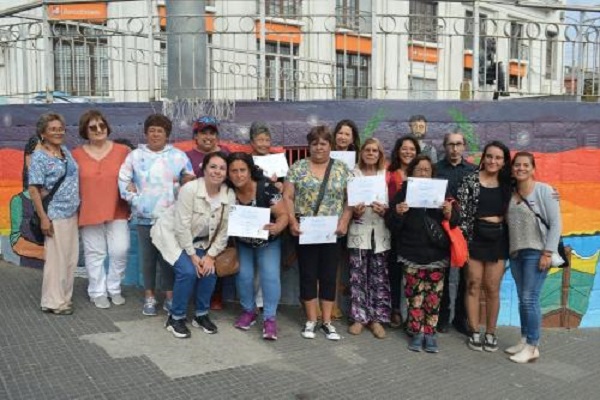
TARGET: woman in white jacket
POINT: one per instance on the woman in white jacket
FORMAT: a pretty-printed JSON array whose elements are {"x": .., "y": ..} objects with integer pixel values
[{"x": 189, "y": 236}]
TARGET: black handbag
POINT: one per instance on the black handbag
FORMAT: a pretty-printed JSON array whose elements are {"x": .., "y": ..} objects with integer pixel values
[
  {"x": 35, "y": 223},
  {"x": 436, "y": 232}
]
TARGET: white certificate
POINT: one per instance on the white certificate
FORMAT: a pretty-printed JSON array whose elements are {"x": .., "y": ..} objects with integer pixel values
[
  {"x": 318, "y": 230},
  {"x": 366, "y": 189},
  {"x": 272, "y": 164},
  {"x": 347, "y": 157},
  {"x": 246, "y": 221},
  {"x": 426, "y": 192}
]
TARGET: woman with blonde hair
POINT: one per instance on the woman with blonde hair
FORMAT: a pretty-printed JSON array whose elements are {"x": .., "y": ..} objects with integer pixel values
[{"x": 369, "y": 245}]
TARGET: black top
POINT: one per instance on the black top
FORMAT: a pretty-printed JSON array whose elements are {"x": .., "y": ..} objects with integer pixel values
[
  {"x": 411, "y": 238},
  {"x": 453, "y": 173},
  {"x": 267, "y": 195},
  {"x": 490, "y": 202}
]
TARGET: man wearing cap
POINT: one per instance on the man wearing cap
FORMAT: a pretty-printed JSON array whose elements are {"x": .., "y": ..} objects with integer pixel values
[{"x": 206, "y": 136}]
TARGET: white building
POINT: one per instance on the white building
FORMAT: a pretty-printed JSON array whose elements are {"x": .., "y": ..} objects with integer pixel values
[{"x": 312, "y": 49}]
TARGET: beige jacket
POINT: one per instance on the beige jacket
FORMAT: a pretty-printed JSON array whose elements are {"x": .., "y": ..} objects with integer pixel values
[
  {"x": 176, "y": 229},
  {"x": 361, "y": 229}
]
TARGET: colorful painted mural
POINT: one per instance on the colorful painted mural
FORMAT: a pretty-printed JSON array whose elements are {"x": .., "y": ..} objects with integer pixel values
[{"x": 565, "y": 139}]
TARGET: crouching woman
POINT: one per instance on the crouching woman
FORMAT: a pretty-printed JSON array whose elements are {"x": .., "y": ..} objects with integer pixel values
[{"x": 189, "y": 236}]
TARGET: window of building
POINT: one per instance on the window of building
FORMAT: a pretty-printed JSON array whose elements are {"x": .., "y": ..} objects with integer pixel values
[
  {"x": 283, "y": 8},
  {"x": 80, "y": 61},
  {"x": 551, "y": 55},
  {"x": 353, "y": 78},
  {"x": 469, "y": 32},
  {"x": 423, "y": 20},
  {"x": 518, "y": 46},
  {"x": 281, "y": 74},
  {"x": 422, "y": 89},
  {"x": 347, "y": 13}
]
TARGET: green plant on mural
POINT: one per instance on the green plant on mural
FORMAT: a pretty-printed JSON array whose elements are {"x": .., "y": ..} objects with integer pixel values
[
  {"x": 468, "y": 131},
  {"x": 372, "y": 125}
]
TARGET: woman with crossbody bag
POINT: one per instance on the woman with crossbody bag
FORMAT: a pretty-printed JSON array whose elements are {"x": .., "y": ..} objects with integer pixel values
[
  {"x": 316, "y": 186},
  {"x": 54, "y": 173},
  {"x": 534, "y": 227}
]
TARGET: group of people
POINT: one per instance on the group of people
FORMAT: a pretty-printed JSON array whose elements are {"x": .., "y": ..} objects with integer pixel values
[{"x": 398, "y": 262}]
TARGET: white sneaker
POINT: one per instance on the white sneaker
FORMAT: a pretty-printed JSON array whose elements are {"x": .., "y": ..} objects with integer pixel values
[
  {"x": 528, "y": 354},
  {"x": 101, "y": 302},
  {"x": 309, "y": 330},
  {"x": 517, "y": 347},
  {"x": 117, "y": 299},
  {"x": 329, "y": 331}
]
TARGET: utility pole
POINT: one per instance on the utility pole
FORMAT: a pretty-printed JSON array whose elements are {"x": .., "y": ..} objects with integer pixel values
[
  {"x": 475, "y": 74},
  {"x": 187, "y": 43}
]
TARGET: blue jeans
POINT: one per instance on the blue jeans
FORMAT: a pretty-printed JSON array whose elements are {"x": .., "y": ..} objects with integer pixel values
[
  {"x": 267, "y": 259},
  {"x": 186, "y": 280},
  {"x": 529, "y": 280}
]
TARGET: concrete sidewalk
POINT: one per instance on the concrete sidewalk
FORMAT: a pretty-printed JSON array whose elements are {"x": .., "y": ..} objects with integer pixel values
[{"x": 120, "y": 354}]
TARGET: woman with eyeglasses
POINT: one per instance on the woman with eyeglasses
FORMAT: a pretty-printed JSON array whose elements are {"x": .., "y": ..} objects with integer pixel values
[
  {"x": 51, "y": 165},
  {"x": 483, "y": 197},
  {"x": 424, "y": 253},
  {"x": 103, "y": 214}
]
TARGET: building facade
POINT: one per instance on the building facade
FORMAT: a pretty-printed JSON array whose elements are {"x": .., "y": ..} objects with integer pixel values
[{"x": 284, "y": 50}]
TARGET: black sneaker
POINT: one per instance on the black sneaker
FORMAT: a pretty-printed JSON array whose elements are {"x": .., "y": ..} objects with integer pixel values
[
  {"x": 203, "y": 322},
  {"x": 178, "y": 328},
  {"x": 474, "y": 342},
  {"x": 491, "y": 342}
]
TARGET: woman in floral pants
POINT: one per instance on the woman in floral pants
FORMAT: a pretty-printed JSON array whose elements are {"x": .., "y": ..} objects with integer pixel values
[{"x": 424, "y": 251}]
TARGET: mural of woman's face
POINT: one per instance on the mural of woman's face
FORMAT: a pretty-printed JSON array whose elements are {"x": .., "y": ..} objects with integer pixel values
[{"x": 343, "y": 138}]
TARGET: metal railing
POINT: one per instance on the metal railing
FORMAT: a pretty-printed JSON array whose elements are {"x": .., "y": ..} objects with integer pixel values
[{"x": 309, "y": 57}]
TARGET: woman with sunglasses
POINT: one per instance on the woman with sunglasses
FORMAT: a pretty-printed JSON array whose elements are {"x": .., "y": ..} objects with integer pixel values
[
  {"x": 52, "y": 165},
  {"x": 103, "y": 214}
]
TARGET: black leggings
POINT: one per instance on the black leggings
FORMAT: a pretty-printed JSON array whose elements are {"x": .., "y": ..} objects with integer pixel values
[{"x": 318, "y": 268}]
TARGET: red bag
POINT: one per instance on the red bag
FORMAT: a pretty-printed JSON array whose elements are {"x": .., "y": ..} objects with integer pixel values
[{"x": 459, "y": 252}]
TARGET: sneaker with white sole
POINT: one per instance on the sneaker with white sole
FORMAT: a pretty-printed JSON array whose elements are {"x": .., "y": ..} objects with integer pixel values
[
  {"x": 490, "y": 343},
  {"x": 117, "y": 299},
  {"x": 101, "y": 302},
  {"x": 149, "y": 308},
  {"x": 245, "y": 320},
  {"x": 309, "y": 330},
  {"x": 474, "y": 342},
  {"x": 329, "y": 331},
  {"x": 203, "y": 322},
  {"x": 178, "y": 328}
]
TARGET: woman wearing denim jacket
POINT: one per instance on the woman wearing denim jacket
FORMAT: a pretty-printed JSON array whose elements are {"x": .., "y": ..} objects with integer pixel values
[
  {"x": 253, "y": 189},
  {"x": 189, "y": 236},
  {"x": 532, "y": 244}
]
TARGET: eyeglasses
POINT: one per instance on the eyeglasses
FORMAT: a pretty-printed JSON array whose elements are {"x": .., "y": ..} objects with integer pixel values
[
  {"x": 458, "y": 144},
  {"x": 95, "y": 128}
]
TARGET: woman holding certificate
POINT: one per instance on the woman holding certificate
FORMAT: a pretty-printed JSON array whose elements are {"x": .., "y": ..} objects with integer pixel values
[
  {"x": 315, "y": 196},
  {"x": 483, "y": 197},
  {"x": 254, "y": 190},
  {"x": 424, "y": 251},
  {"x": 189, "y": 235},
  {"x": 405, "y": 150},
  {"x": 369, "y": 245}
]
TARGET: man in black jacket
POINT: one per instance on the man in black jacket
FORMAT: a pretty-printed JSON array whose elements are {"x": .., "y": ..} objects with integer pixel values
[{"x": 454, "y": 167}]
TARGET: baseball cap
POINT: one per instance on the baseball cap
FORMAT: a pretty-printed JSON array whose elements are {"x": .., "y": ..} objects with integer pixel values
[{"x": 205, "y": 122}]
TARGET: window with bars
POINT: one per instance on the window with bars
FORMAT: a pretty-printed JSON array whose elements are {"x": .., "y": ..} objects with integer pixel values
[
  {"x": 281, "y": 72},
  {"x": 80, "y": 62},
  {"x": 422, "y": 89},
  {"x": 353, "y": 78},
  {"x": 423, "y": 20},
  {"x": 283, "y": 8},
  {"x": 517, "y": 44},
  {"x": 347, "y": 14},
  {"x": 469, "y": 32}
]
